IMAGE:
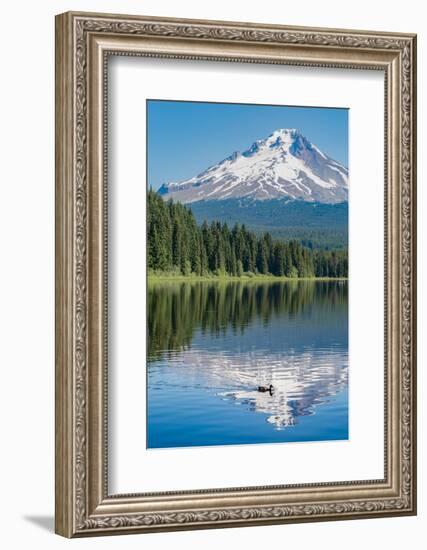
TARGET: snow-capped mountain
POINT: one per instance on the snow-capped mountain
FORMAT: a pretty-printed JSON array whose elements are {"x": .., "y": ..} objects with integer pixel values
[{"x": 284, "y": 165}]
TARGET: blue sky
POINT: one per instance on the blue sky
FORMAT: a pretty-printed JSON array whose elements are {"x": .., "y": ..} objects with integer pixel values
[{"x": 184, "y": 138}]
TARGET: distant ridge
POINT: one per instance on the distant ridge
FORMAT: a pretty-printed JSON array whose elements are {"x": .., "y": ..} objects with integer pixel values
[{"x": 314, "y": 224}]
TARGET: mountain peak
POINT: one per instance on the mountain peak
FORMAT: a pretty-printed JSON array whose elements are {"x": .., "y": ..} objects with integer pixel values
[
  {"x": 281, "y": 137},
  {"x": 284, "y": 164},
  {"x": 292, "y": 132}
]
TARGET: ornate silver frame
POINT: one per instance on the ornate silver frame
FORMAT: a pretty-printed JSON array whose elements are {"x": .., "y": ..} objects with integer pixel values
[{"x": 83, "y": 42}]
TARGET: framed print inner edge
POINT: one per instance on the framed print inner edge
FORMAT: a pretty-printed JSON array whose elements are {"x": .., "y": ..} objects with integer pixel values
[{"x": 83, "y": 44}]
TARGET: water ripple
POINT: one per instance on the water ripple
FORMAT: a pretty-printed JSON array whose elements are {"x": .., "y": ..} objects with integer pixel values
[
  {"x": 300, "y": 381},
  {"x": 212, "y": 348}
]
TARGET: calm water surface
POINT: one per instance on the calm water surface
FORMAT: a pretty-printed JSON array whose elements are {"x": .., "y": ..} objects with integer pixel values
[{"x": 211, "y": 344}]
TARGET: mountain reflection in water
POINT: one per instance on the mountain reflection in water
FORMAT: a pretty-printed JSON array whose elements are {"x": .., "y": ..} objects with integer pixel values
[{"x": 213, "y": 343}]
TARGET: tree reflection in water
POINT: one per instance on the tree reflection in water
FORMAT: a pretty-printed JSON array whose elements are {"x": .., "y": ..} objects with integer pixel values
[{"x": 231, "y": 337}]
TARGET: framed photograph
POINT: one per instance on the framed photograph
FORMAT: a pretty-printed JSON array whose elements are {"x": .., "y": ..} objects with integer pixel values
[{"x": 235, "y": 274}]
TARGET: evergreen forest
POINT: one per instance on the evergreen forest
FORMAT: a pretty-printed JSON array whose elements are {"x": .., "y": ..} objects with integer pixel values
[{"x": 178, "y": 245}]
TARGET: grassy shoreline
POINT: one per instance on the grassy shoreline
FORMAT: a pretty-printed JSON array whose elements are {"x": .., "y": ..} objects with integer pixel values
[{"x": 155, "y": 278}]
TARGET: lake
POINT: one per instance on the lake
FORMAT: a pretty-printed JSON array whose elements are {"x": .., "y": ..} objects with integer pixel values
[{"x": 212, "y": 345}]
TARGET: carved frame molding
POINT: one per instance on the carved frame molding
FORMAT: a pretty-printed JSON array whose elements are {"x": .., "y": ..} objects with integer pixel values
[{"x": 83, "y": 42}]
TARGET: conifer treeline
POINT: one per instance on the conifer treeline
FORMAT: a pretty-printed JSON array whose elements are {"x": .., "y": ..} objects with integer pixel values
[{"x": 177, "y": 243}]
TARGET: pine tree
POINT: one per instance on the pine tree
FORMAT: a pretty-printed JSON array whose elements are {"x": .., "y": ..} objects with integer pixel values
[
  {"x": 279, "y": 260},
  {"x": 239, "y": 268},
  {"x": 262, "y": 258}
]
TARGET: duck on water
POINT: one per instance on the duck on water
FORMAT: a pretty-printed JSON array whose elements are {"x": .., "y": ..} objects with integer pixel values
[{"x": 266, "y": 389}]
